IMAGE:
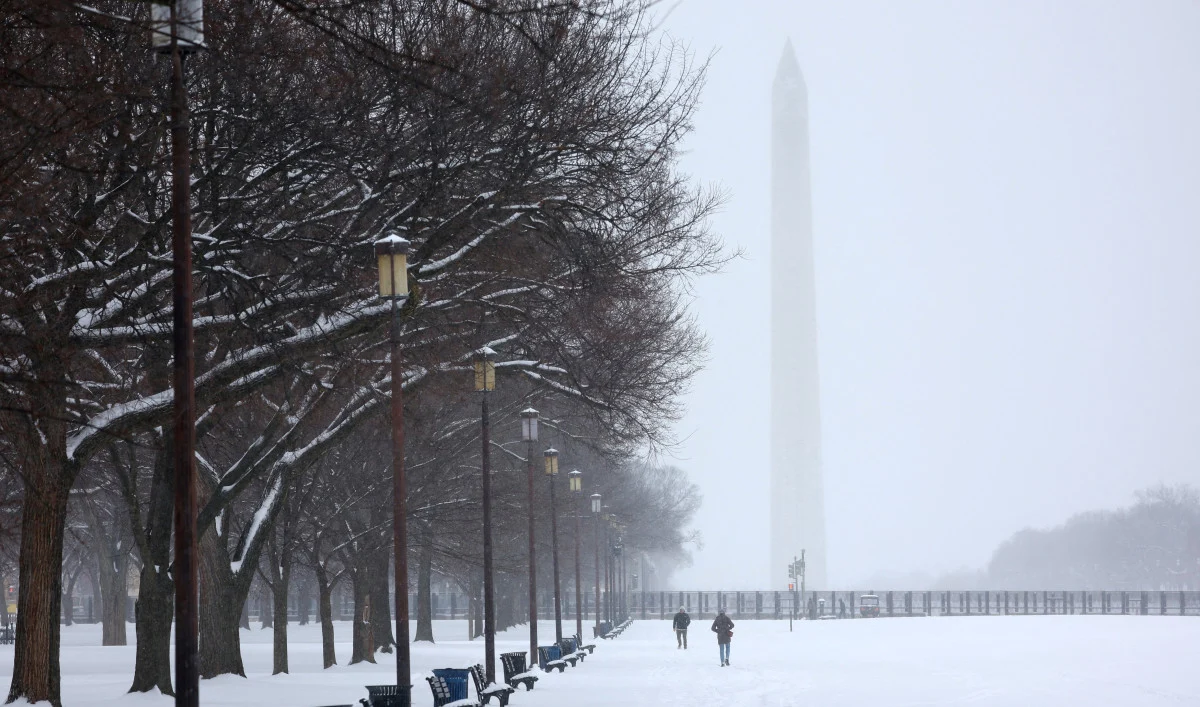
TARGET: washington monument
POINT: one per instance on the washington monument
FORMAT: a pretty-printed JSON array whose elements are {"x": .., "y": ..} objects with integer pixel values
[{"x": 797, "y": 492}]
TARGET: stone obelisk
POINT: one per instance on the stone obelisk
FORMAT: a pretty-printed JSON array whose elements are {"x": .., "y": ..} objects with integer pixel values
[{"x": 797, "y": 491}]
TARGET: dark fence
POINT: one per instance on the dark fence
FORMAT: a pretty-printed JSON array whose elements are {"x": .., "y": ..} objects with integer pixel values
[
  {"x": 768, "y": 605},
  {"x": 846, "y": 604}
]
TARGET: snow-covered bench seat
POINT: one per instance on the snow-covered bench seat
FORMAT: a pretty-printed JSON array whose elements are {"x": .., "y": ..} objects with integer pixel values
[
  {"x": 500, "y": 692},
  {"x": 590, "y": 647},
  {"x": 514, "y": 670},
  {"x": 443, "y": 696},
  {"x": 550, "y": 657},
  {"x": 570, "y": 649}
]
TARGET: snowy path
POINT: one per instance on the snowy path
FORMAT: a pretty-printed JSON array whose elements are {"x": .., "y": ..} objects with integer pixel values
[{"x": 1051, "y": 661}]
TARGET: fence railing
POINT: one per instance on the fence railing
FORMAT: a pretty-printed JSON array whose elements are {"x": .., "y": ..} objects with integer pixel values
[
  {"x": 768, "y": 605},
  {"x": 846, "y": 604}
]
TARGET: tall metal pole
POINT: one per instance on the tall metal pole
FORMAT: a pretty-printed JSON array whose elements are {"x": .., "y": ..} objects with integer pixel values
[
  {"x": 642, "y": 586},
  {"x": 596, "y": 539},
  {"x": 578, "y": 583},
  {"x": 187, "y": 609},
  {"x": 608, "y": 575},
  {"x": 489, "y": 605},
  {"x": 533, "y": 613},
  {"x": 624, "y": 585},
  {"x": 400, "y": 516},
  {"x": 554, "y": 545}
]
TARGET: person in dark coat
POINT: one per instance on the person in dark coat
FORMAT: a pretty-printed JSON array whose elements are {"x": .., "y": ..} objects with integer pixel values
[
  {"x": 680, "y": 625},
  {"x": 723, "y": 627}
]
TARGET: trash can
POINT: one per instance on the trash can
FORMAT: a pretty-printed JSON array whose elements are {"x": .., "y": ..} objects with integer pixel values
[{"x": 456, "y": 679}]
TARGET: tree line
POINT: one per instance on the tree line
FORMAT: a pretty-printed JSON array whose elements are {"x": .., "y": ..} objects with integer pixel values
[
  {"x": 528, "y": 150},
  {"x": 1152, "y": 544}
]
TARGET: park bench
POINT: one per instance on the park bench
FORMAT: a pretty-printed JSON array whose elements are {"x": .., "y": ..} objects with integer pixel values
[
  {"x": 614, "y": 632},
  {"x": 550, "y": 657},
  {"x": 570, "y": 649},
  {"x": 602, "y": 629},
  {"x": 381, "y": 696},
  {"x": 443, "y": 694},
  {"x": 589, "y": 647},
  {"x": 500, "y": 692},
  {"x": 563, "y": 654},
  {"x": 515, "y": 670},
  {"x": 7, "y": 634}
]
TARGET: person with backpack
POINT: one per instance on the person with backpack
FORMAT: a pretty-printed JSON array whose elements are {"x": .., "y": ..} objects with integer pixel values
[
  {"x": 723, "y": 627},
  {"x": 680, "y": 624}
]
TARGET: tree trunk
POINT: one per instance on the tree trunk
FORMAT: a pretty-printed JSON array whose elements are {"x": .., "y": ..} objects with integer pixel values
[
  {"x": 381, "y": 602},
  {"x": 265, "y": 611},
  {"x": 155, "y": 607},
  {"x": 304, "y": 596},
  {"x": 476, "y": 609},
  {"x": 424, "y": 630},
  {"x": 4, "y": 619},
  {"x": 280, "y": 591},
  {"x": 114, "y": 575},
  {"x": 154, "y": 613},
  {"x": 325, "y": 592},
  {"x": 221, "y": 601},
  {"x": 363, "y": 644},
  {"x": 48, "y": 480},
  {"x": 68, "y": 599}
]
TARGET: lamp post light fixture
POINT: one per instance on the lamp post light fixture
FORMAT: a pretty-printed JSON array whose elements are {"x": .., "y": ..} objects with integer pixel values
[
  {"x": 529, "y": 433},
  {"x": 551, "y": 472},
  {"x": 576, "y": 479},
  {"x": 485, "y": 382},
  {"x": 596, "y": 498},
  {"x": 391, "y": 252}
]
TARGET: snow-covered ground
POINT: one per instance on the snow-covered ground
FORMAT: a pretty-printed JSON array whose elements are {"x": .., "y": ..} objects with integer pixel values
[{"x": 1054, "y": 661}]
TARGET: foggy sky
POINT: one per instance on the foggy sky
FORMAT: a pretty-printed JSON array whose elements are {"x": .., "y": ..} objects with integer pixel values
[{"x": 1006, "y": 207}]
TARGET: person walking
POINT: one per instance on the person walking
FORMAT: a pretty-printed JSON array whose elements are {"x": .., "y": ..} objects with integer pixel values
[
  {"x": 723, "y": 627},
  {"x": 680, "y": 625}
]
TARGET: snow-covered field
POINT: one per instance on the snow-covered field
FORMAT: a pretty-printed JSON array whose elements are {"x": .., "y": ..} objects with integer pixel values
[{"x": 1054, "y": 661}]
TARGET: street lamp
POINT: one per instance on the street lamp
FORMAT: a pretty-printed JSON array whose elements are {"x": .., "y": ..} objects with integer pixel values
[
  {"x": 178, "y": 29},
  {"x": 596, "y": 498},
  {"x": 551, "y": 472},
  {"x": 576, "y": 479},
  {"x": 608, "y": 573},
  {"x": 618, "y": 574},
  {"x": 529, "y": 433},
  {"x": 485, "y": 382},
  {"x": 392, "y": 254}
]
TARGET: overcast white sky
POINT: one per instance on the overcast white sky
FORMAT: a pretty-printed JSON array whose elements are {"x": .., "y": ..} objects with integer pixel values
[{"x": 1006, "y": 202}]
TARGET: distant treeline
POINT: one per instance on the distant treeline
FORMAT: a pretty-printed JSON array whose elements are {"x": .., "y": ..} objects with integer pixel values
[{"x": 1153, "y": 544}]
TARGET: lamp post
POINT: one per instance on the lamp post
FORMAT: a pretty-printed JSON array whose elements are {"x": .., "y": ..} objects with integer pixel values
[
  {"x": 177, "y": 29},
  {"x": 485, "y": 382},
  {"x": 576, "y": 479},
  {"x": 392, "y": 254},
  {"x": 619, "y": 575},
  {"x": 596, "y": 541},
  {"x": 608, "y": 568},
  {"x": 551, "y": 472},
  {"x": 529, "y": 433}
]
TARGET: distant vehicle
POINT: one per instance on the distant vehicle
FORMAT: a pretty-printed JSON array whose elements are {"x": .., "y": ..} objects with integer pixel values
[{"x": 868, "y": 606}]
